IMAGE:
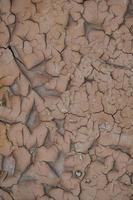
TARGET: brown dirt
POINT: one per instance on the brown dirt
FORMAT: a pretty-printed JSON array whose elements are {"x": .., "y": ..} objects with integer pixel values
[{"x": 66, "y": 99}]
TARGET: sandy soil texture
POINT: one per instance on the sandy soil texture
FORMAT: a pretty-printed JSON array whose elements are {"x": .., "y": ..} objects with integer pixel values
[{"x": 66, "y": 99}]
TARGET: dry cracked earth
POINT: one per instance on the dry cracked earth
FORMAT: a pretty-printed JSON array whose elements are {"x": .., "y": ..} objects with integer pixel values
[{"x": 66, "y": 99}]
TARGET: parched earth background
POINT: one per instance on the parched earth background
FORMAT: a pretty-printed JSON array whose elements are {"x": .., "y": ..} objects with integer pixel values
[{"x": 66, "y": 100}]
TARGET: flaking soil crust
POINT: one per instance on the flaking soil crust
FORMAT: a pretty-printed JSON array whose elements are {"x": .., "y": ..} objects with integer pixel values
[{"x": 66, "y": 99}]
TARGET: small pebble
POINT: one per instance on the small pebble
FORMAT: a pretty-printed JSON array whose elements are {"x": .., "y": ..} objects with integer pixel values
[{"x": 78, "y": 173}]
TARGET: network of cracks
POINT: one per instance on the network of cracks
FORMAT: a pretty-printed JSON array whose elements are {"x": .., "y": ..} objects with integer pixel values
[{"x": 66, "y": 99}]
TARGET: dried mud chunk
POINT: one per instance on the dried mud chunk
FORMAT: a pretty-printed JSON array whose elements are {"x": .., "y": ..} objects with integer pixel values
[
  {"x": 95, "y": 13},
  {"x": 5, "y": 145},
  {"x": 29, "y": 190},
  {"x": 54, "y": 68},
  {"x": 32, "y": 59},
  {"x": 84, "y": 139},
  {"x": 62, "y": 82},
  {"x": 89, "y": 192},
  {"x": 9, "y": 19},
  {"x": 123, "y": 118},
  {"x": 98, "y": 42},
  {"x": 76, "y": 10},
  {"x": 124, "y": 42},
  {"x": 36, "y": 1},
  {"x": 122, "y": 60},
  {"x": 42, "y": 173},
  {"x": 23, "y": 10},
  {"x": 115, "y": 18},
  {"x": 33, "y": 43},
  {"x": 55, "y": 105},
  {"x": 86, "y": 136},
  {"x": 47, "y": 154},
  {"x": 6, "y": 16},
  {"x": 120, "y": 190},
  {"x": 79, "y": 101},
  {"x": 5, "y": 5},
  {"x": 8, "y": 67},
  {"x": 4, "y": 35},
  {"x": 118, "y": 6},
  {"x": 119, "y": 166},
  {"x": 96, "y": 175},
  {"x": 9, "y": 165},
  {"x": 103, "y": 121},
  {"x": 125, "y": 179},
  {"x": 55, "y": 37},
  {"x": 63, "y": 142},
  {"x": 71, "y": 58},
  {"x": 78, "y": 78},
  {"x": 94, "y": 96},
  {"x": 18, "y": 153},
  {"x": 126, "y": 142},
  {"x": 59, "y": 164},
  {"x": 20, "y": 86},
  {"x": 11, "y": 112},
  {"x": 129, "y": 23},
  {"x": 109, "y": 139},
  {"x": 114, "y": 100},
  {"x": 77, "y": 163},
  {"x": 45, "y": 197},
  {"x": 27, "y": 47},
  {"x": 75, "y": 30},
  {"x": 102, "y": 194},
  {"x": 90, "y": 13},
  {"x": 85, "y": 66},
  {"x": 73, "y": 122},
  {"x": 19, "y": 135},
  {"x": 40, "y": 134},
  {"x": 4, "y": 195},
  {"x": 59, "y": 194},
  {"x": 70, "y": 183},
  {"x": 15, "y": 135},
  {"x": 1, "y": 160},
  {"x": 33, "y": 119},
  {"x": 52, "y": 13},
  {"x": 26, "y": 106},
  {"x": 82, "y": 72}
]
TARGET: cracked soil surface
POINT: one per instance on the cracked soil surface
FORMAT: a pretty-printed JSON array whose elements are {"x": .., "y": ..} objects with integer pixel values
[{"x": 66, "y": 99}]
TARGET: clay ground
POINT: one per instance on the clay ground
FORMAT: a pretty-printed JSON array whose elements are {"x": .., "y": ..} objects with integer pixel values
[{"x": 66, "y": 99}]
